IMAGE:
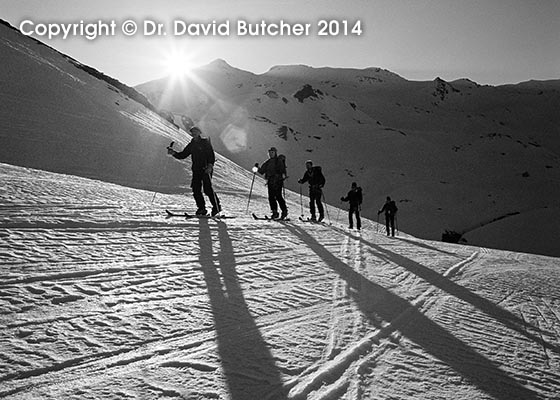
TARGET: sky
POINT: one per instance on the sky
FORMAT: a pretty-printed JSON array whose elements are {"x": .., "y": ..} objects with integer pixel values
[{"x": 489, "y": 41}]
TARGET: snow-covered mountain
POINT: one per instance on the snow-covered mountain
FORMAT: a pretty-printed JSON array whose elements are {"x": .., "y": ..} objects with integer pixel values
[
  {"x": 103, "y": 297},
  {"x": 481, "y": 161},
  {"x": 62, "y": 116}
]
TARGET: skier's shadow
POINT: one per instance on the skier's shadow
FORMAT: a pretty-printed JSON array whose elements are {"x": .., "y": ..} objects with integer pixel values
[
  {"x": 426, "y": 246},
  {"x": 377, "y": 303},
  {"x": 248, "y": 364},
  {"x": 500, "y": 314}
]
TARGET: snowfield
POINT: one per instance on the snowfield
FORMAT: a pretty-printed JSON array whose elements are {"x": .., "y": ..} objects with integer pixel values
[{"x": 102, "y": 297}]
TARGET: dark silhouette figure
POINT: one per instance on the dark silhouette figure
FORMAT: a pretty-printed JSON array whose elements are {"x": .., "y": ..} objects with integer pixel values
[
  {"x": 354, "y": 197},
  {"x": 274, "y": 171},
  {"x": 316, "y": 179},
  {"x": 390, "y": 209},
  {"x": 203, "y": 160}
]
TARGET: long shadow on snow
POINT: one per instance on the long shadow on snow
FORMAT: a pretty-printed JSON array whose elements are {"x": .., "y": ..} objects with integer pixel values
[
  {"x": 500, "y": 314},
  {"x": 424, "y": 246},
  {"x": 376, "y": 301},
  {"x": 248, "y": 364}
]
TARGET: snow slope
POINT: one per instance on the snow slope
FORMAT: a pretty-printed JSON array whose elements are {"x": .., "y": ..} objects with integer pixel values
[
  {"x": 454, "y": 155},
  {"x": 102, "y": 297},
  {"x": 58, "y": 117}
]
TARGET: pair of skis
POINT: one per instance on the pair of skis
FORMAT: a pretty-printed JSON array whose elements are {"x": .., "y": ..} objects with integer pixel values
[
  {"x": 267, "y": 218},
  {"x": 301, "y": 218},
  {"x": 170, "y": 214},
  {"x": 311, "y": 221}
]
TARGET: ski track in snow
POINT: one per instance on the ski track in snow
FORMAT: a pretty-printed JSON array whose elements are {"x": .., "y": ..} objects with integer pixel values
[{"x": 101, "y": 297}]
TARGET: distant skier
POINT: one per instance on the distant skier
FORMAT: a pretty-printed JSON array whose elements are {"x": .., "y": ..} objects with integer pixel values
[
  {"x": 390, "y": 209},
  {"x": 203, "y": 160},
  {"x": 274, "y": 170},
  {"x": 354, "y": 197},
  {"x": 316, "y": 180}
]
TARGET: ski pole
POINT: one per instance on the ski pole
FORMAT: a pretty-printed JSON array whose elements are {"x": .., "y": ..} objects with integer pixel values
[
  {"x": 301, "y": 199},
  {"x": 216, "y": 201},
  {"x": 326, "y": 207},
  {"x": 338, "y": 214},
  {"x": 255, "y": 169},
  {"x": 163, "y": 173}
]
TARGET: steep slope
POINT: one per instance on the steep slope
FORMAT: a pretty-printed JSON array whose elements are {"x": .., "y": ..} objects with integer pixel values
[
  {"x": 456, "y": 155},
  {"x": 59, "y": 115}
]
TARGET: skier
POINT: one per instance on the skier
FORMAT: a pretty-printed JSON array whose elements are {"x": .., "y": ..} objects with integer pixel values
[
  {"x": 316, "y": 180},
  {"x": 390, "y": 209},
  {"x": 354, "y": 197},
  {"x": 203, "y": 159},
  {"x": 274, "y": 170}
]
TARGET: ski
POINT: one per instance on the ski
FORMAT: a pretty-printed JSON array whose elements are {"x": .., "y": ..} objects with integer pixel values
[
  {"x": 267, "y": 218},
  {"x": 171, "y": 214},
  {"x": 311, "y": 221},
  {"x": 208, "y": 216}
]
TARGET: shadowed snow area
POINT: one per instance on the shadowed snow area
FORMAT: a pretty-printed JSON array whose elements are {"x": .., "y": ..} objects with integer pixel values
[{"x": 103, "y": 297}]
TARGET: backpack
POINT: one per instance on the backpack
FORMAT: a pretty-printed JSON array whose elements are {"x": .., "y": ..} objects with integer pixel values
[
  {"x": 282, "y": 158},
  {"x": 320, "y": 175},
  {"x": 392, "y": 208}
]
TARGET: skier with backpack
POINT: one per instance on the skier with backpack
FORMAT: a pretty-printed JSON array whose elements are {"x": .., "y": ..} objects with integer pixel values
[
  {"x": 274, "y": 171},
  {"x": 316, "y": 179},
  {"x": 390, "y": 209},
  {"x": 354, "y": 197}
]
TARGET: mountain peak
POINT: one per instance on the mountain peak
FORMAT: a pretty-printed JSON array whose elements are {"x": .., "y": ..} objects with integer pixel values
[{"x": 220, "y": 63}]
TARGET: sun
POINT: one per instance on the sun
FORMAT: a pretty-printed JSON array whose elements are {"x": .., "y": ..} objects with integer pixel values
[{"x": 177, "y": 64}]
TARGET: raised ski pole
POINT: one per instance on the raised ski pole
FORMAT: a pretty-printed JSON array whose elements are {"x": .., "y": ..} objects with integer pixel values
[
  {"x": 255, "y": 169},
  {"x": 163, "y": 173}
]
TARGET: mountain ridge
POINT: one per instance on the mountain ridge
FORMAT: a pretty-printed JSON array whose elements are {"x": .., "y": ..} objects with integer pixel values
[
  {"x": 432, "y": 144},
  {"x": 452, "y": 156}
]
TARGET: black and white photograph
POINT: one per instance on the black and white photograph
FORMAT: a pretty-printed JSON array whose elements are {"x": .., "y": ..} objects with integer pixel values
[{"x": 280, "y": 199}]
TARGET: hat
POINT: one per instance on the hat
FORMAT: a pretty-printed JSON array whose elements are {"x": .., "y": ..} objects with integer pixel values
[{"x": 272, "y": 149}]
